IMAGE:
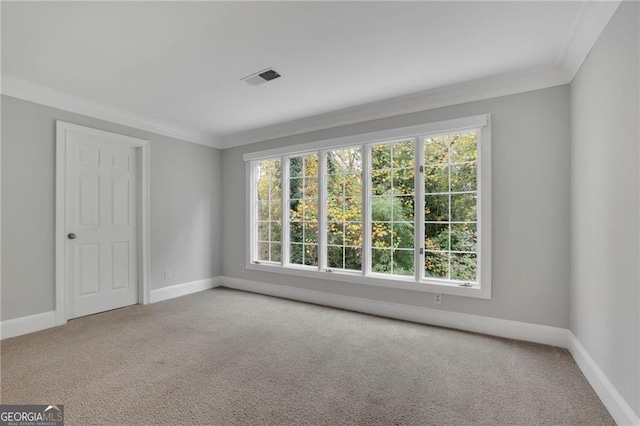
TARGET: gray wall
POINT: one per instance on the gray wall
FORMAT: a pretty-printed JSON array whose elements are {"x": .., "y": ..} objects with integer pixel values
[
  {"x": 604, "y": 205},
  {"x": 531, "y": 159},
  {"x": 185, "y": 206}
]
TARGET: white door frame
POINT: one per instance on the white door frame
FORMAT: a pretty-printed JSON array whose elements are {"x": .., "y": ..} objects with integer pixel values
[{"x": 142, "y": 147}]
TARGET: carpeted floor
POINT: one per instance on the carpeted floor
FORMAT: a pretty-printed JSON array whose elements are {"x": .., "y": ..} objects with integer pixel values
[{"x": 225, "y": 357}]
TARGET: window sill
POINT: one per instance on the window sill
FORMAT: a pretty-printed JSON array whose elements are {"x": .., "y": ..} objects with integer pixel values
[{"x": 375, "y": 280}]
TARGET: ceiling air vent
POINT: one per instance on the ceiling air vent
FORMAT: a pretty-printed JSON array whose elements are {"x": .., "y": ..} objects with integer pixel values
[{"x": 261, "y": 77}]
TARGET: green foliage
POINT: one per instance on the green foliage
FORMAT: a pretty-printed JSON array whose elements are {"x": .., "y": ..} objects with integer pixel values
[
  {"x": 269, "y": 175},
  {"x": 443, "y": 240},
  {"x": 303, "y": 210},
  {"x": 344, "y": 209},
  {"x": 450, "y": 196},
  {"x": 392, "y": 208}
]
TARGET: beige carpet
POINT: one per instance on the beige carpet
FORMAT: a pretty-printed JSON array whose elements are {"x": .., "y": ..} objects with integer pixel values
[{"x": 226, "y": 357}]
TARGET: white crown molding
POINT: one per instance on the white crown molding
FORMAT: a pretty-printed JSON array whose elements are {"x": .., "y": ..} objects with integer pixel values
[
  {"x": 456, "y": 94},
  {"x": 592, "y": 18},
  {"x": 28, "y": 91}
]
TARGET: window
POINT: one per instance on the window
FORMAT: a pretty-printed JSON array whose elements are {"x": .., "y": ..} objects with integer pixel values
[
  {"x": 406, "y": 208},
  {"x": 450, "y": 213},
  {"x": 268, "y": 184},
  {"x": 393, "y": 208},
  {"x": 303, "y": 210},
  {"x": 344, "y": 209}
]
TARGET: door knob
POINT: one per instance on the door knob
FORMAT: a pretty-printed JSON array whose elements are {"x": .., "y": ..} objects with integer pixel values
[{"x": 71, "y": 236}]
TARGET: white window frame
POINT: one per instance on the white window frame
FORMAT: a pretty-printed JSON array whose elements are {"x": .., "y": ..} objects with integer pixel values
[
  {"x": 481, "y": 289},
  {"x": 254, "y": 225},
  {"x": 285, "y": 214}
]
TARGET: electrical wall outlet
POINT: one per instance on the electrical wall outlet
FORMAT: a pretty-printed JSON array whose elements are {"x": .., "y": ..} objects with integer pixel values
[
  {"x": 241, "y": 267},
  {"x": 437, "y": 298},
  {"x": 168, "y": 274}
]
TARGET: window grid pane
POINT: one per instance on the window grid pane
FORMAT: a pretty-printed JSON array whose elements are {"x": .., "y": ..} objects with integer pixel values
[
  {"x": 303, "y": 210},
  {"x": 344, "y": 208},
  {"x": 451, "y": 207},
  {"x": 392, "y": 208},
  {"x": 450, "y": 215},
  {"x": 268, "y": 210}
]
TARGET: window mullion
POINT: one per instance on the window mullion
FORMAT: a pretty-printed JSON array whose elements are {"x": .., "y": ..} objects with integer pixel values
[
  {"x": 284, "y": 220},
  {"x": 419, "y": 208},
  {"x": 366, "y": 210},
  {"x": 322, "y": 211}
]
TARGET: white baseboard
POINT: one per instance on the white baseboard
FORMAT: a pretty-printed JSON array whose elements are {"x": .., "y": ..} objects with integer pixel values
[
  {"x": 621, "y": 412},
  {"x": 29, "y": 324},
  {"x": 178, "y": 290},
  {"x": 32, "y": 323},
  {"x": 493, "y": 326}
]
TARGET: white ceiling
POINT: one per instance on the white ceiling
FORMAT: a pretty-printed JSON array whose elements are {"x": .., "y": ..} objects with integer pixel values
[{"x": 177, "y": 66}]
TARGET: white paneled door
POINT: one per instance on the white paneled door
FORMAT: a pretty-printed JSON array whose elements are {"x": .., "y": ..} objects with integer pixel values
[{"x": 101, "y": 218}]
